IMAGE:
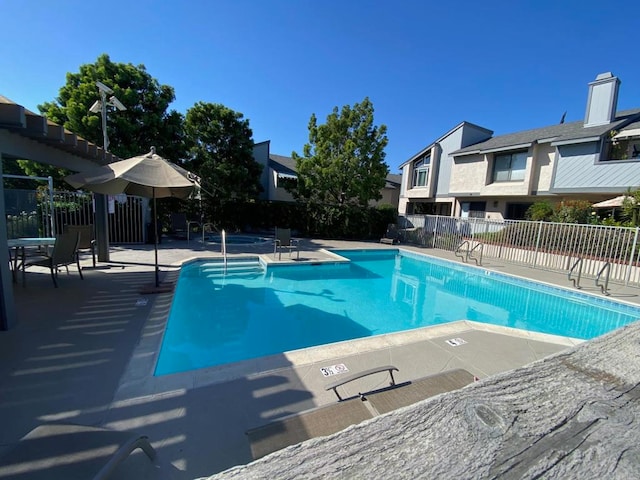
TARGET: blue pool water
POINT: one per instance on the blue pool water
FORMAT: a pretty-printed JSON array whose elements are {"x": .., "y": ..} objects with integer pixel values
[{"x": 217, "y": 319}]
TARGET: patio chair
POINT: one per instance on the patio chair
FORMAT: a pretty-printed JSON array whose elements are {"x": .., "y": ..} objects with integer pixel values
[
  {"x": 283, "y": 240},
  {"x": 70, "y": 451},
  {"x": 87, "y": 238},
  {"x": 65, "y": 253},
  {"x": 182, "y": 226}
]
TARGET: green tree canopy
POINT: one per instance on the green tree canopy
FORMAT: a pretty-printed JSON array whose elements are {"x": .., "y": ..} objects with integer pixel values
[
  {"x": 146, "y": 122},
  {"x": 344, "y": 159},
  {"x": 220, "y": 151}
]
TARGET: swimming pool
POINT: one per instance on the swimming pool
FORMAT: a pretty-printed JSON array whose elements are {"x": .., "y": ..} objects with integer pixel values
[{"x": 254, "y": 311}]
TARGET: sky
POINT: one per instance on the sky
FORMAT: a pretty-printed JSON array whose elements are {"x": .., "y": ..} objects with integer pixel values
[{"x": 426, "y": 66}]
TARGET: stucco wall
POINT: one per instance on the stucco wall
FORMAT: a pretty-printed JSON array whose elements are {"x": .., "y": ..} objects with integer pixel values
[
  {"x": 473, "y": 174},
  {"x": 543, "y": 168},
  {"x": 468, "y": 174}
]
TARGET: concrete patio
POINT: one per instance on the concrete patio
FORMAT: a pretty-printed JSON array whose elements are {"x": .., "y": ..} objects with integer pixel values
[{"x": 84, "y": 353}]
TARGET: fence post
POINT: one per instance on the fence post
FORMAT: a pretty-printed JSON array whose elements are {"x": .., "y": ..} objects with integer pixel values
[
  {"x": 535, "y": 253},
  {"x": 631, "y": 255},
  {"x": 52, "y": 229}
]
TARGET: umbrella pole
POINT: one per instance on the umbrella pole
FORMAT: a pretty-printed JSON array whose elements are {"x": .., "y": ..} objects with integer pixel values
[{"x": 155, "y": 233}]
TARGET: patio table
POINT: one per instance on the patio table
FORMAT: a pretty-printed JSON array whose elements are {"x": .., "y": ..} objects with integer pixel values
[{"x": 19, "y": 244}]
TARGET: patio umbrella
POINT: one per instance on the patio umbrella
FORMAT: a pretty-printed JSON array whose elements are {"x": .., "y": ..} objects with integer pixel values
[
  {"x": 147, "y": 175},
  {"x": 611, "y": 203}
]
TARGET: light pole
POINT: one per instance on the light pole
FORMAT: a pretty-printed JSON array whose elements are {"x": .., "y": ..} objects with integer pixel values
[
  {"x": 101, "y": 221},
  {"x": 101, "y": 106}
]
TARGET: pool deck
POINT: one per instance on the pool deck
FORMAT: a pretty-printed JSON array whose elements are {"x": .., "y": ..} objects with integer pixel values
[{"x": 84, "y": 353}]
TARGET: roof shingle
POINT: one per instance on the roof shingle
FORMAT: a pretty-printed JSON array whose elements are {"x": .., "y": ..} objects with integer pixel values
[{"x": 556, "y": 133}]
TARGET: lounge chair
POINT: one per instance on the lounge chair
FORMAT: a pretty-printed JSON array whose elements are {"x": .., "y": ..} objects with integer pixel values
[
  {"x": 283, "y": 240},
  {"x": 65, "y": 253},
  {"x": 329, "y": 419},
  {"x": 69, "y": 451},
  {"x": 391, "y": 236}
]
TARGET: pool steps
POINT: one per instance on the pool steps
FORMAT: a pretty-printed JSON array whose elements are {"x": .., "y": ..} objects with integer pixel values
[{"x": 233, "y": 267}]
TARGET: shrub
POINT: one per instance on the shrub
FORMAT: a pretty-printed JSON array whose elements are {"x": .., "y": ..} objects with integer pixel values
[
  {"x": 573, "y": 211},
  {"x": 540, "y": 211}
]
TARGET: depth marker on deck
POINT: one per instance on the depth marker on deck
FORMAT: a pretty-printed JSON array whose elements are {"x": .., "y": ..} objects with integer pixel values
[
  {"x": 334, "y": 370},
  {"x": 456, "y": 342}
]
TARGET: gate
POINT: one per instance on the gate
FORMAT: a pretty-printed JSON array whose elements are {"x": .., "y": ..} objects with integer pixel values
[{"x": 126, "y": 217}]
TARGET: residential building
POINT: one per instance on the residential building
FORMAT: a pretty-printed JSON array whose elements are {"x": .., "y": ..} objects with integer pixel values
[
  {"x": 426, "y": 175},
  {"x": 278, "y": 171},
  {"x": 390, "y": 192},
  {"x": 500, "y": 177}
]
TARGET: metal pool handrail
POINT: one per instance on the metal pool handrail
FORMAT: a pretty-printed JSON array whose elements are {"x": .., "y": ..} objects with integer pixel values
[
  {"x": 578, "y": 263},
  {"x": 224, "y": 248}
]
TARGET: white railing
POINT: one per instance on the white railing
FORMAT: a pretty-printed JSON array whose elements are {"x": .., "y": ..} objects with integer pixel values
[{"x": 544, "y": 245}]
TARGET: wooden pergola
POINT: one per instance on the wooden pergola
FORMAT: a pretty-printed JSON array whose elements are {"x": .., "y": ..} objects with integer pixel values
[{"x": 30, "y": 136}]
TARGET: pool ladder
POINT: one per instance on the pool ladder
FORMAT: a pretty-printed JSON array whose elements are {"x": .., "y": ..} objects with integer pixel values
[
  {"x": 604, "y": 288},
  {"x": 467, "y": 254},
  {"x": 576, "y": 282}
]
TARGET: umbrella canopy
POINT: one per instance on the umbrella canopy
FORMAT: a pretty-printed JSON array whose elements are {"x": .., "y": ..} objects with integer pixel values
[
  {"x": 611, "y": 203},
  {"x": 147, "y": 175}
]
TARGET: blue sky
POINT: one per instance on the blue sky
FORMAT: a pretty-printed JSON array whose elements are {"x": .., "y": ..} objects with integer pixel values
[{"x": 426, "y": 66}]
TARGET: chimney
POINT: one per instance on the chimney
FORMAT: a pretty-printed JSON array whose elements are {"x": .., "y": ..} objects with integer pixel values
[{"x": 602, "y": 101}]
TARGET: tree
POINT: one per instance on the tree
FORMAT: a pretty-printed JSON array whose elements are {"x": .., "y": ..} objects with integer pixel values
[
  {"x": 343, "y": 163},
  {"x": 146, "y": 122},
  {"x": 220, "y": 151}
]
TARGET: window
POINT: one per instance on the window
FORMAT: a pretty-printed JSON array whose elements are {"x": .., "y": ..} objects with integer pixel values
[
  {"x": 509, "y": 167},
  {"x": 622, "y": 149},
  {"x": 473, "y": 209},
  {"x": 421, "y": 171}
]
